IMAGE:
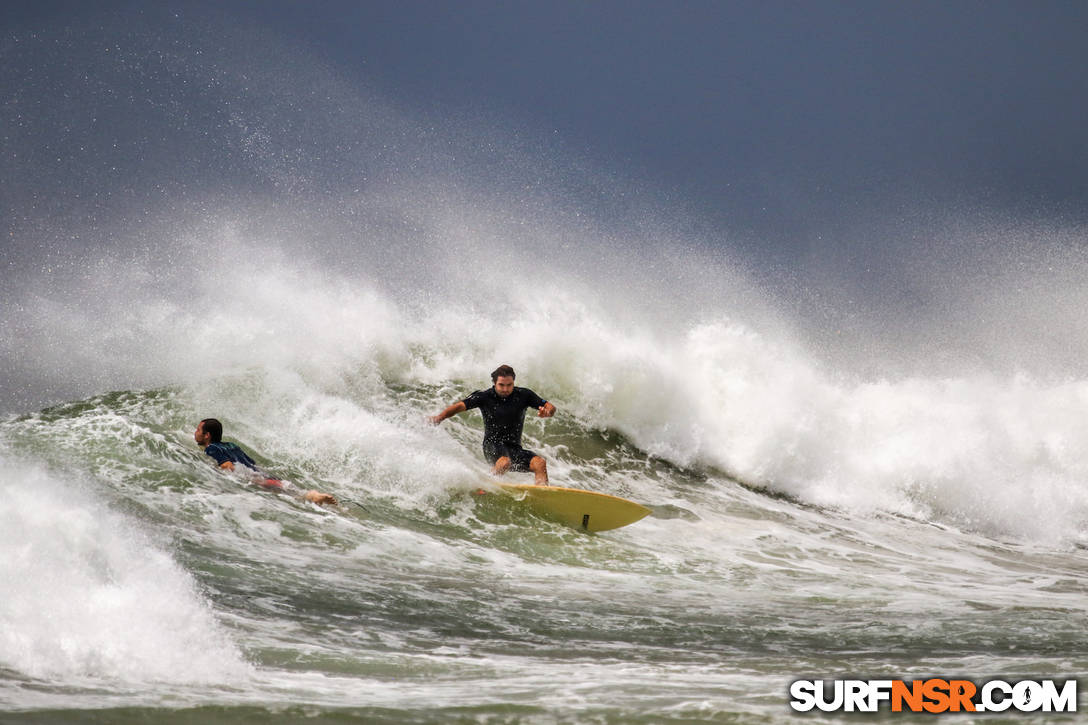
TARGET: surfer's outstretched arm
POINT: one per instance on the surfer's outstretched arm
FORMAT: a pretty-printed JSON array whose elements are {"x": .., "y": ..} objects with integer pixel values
[{"x": 458, "y": 407}]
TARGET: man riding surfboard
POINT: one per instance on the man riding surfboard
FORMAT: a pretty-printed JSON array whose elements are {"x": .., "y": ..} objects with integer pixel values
[{"x": 503, "y": 407}]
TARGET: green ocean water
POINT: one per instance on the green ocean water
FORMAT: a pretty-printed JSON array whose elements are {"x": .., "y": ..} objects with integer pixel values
[{"x": 145, "y": 585}]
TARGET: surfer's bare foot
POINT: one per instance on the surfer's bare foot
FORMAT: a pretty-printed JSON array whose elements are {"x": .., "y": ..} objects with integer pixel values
[{"x": 539, "y": 467}]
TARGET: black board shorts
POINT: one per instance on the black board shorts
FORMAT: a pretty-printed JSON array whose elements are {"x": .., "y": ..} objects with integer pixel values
[{"x": 519, "y": 457}]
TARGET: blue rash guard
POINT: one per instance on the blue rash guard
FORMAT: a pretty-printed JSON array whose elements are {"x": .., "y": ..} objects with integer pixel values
[
  {"x": 223, "y": 452},
  {"x": 504, "y": 419}
]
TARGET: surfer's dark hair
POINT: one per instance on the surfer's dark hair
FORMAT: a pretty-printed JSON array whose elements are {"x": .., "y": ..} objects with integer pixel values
[
  {"x": 214, "y": 427},
  {"x": 502, "y": 371}
]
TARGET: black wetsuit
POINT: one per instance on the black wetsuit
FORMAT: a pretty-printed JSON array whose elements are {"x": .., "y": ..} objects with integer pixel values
[{"x": 503, "y": 421}]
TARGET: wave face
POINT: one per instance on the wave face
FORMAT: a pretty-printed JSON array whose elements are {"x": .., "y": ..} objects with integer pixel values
[
  {"x": 703, "y": 389},
  {"x": 145, "y": 581},
  {"x": 891, "y": 490}
]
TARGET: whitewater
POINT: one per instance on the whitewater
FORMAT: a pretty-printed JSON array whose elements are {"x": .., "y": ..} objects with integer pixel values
[{"x": 823, "y": 507}]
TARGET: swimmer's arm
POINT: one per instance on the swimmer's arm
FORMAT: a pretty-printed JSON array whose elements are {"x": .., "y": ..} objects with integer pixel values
[
  {"x": 322, "y": 498},
  {"x": 275, "y": 484},
  {"x": 458, "y": 407}
]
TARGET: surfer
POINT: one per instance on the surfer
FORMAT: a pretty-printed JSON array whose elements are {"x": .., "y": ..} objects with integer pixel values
[
  {"x": 503, "y": 407},
  {"x": 209, "y": 436}
]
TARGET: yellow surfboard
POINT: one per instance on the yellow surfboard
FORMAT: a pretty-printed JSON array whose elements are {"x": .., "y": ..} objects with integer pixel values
[{"x": 585, "y": 510}]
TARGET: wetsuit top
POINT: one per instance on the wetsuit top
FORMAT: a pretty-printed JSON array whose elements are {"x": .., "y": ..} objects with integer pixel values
[
  {"x": 503, "y": 417},
  {"x": 223, "y": 452}
]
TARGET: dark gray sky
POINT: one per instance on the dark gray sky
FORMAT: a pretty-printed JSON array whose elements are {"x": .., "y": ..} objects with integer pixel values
[
  {"x": 816, "y": 100},
  {"x": 779, "y": 122}
]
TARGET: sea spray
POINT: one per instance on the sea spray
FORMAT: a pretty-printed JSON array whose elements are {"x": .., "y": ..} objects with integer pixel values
[
  {"x": 706, "y": 388},
  {"x": 90, "y": 597}
]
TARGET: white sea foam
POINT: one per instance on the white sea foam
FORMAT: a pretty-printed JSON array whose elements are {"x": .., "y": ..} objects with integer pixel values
[
  {"x": 1000, "y": 453},
  {"x": 87, "y": 597}
]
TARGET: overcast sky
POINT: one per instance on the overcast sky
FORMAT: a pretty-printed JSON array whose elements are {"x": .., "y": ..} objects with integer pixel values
[
  {"x": 776, "y": 120},
  {"x": 982, "y": 99}
]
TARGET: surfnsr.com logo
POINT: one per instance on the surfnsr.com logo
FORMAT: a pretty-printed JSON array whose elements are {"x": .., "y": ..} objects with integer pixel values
[{"x": 934, "y": 695}]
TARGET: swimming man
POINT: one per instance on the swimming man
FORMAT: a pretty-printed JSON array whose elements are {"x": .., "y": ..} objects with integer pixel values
[{"x": 209, "y": 436}]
